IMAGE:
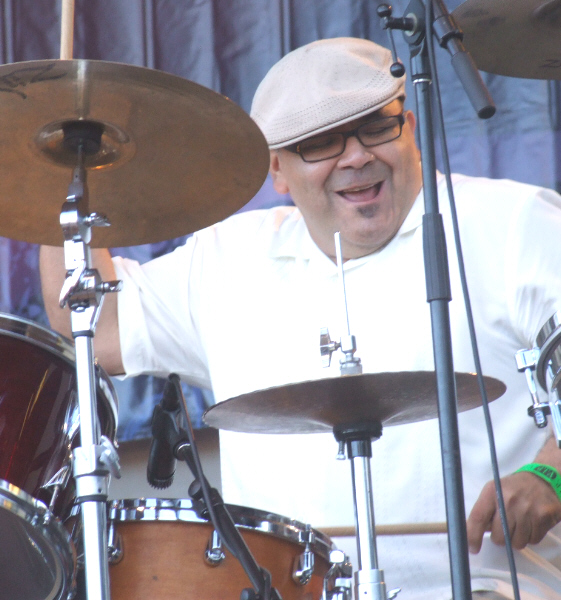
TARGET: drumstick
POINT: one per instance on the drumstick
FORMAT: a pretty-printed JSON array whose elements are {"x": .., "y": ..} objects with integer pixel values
[
  {"x": 397, "y": 529},
  {"x": 67, "y": 30}
]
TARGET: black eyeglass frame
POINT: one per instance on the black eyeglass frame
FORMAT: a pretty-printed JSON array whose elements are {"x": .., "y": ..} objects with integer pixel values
[{"x": 295, "y": 148}]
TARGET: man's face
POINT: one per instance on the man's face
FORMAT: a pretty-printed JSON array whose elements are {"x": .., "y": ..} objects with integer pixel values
[{"x": 365, "y": 193}]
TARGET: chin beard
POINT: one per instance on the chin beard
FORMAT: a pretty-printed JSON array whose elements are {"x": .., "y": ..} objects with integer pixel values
[{"x": 368, "y": 211}]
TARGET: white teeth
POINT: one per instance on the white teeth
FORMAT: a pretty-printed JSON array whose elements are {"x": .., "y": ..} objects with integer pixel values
[{"x": 358, "y": 189}]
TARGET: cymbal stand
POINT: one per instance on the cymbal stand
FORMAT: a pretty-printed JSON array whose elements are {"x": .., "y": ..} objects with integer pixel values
[
  {"x": 83, "y": 292},
  {"x": 369, "y": 579}
]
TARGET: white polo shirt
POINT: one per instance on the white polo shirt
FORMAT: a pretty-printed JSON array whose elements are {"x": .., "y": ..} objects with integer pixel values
[{"x": 239, "y": 308}]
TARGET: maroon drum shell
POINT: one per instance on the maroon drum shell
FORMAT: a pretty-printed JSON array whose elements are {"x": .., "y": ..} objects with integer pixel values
[{"x": 38, "y": 413}]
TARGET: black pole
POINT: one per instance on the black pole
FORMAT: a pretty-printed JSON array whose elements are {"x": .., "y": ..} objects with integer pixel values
[{"x": 439, "y": 296}]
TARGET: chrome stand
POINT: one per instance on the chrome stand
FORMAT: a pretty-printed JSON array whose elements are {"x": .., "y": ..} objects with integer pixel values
[
  {"x": 83, "y": 292},
  {"x": 369, "y": 578}
]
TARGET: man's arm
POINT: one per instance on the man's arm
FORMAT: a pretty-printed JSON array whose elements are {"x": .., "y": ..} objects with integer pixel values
[
  {"x": 106, "y": 340},
  {"x": 532, "y": 506}
]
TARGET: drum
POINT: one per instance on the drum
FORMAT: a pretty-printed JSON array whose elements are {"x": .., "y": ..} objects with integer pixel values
[
  {"x": 159, "y": 552},
  {"x": 39, "y": 426},
  {"x": 548, "y": 369}
]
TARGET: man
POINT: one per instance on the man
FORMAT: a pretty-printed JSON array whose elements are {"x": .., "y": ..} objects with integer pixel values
[{"x": 240, "y": 306}]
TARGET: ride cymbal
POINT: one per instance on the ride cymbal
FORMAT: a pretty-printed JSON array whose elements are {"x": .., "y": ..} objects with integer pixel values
[
  {"x": 319, "y": 405},
  {"x": 517, "y": 38},
  {"x": 172, "y": 156}
]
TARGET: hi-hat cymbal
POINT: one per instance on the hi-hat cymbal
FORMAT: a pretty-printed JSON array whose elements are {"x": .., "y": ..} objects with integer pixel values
[
  {"x": 174, "y": 157},
  {"x": 517, "y": 38},
  {"x": 319, "y": 405}
]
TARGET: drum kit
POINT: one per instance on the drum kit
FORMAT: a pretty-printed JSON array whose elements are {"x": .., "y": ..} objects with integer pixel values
[{"x": 163, "y": 157}]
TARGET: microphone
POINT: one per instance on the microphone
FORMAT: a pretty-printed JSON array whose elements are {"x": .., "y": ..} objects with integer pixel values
[{"x": 165, "y": 434}]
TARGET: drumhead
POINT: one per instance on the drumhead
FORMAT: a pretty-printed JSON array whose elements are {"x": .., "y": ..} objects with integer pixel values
[
  {"x": 37, "y": 558},
  {"x": 178, "y": 509},
  {"x": 58, "y": 345}
]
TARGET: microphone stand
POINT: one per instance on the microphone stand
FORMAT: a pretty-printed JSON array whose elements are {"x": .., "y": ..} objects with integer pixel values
[
  {"x": 182, "y": 443},
  {"x": 436, "y": 265}
]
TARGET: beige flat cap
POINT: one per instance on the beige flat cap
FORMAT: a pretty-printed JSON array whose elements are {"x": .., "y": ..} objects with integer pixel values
[{"x": 322, "y": 85}]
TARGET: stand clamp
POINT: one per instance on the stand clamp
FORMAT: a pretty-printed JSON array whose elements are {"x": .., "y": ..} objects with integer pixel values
[
  {"x": 91, "y": 466},
  {"x": 526, "y": 362}
]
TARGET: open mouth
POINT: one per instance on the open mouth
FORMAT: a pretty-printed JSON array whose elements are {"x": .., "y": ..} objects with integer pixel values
[{"x": 361, "y": 194}]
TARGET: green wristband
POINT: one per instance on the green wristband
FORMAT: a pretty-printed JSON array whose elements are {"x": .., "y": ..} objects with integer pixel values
[{"x": 547, "y": 473}]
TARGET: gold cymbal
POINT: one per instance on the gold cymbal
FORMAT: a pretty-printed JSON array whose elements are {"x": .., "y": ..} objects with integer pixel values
[
  {"x": 174, "y": 156},
  {"x": 517, "y": 38},
  {"x": 319, "y": 405}
]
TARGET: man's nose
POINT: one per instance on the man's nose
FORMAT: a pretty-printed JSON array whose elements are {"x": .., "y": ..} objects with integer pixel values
[{"x": 355, "y": 154}]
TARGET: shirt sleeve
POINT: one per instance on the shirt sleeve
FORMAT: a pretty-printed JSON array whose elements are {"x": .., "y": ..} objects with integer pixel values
[
  {"x": 157, "y": 329},
  {"x": 533, "y": 273}
]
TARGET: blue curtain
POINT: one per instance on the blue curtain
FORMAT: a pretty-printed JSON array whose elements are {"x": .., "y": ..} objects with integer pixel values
[{"x": 228, "y": 46}]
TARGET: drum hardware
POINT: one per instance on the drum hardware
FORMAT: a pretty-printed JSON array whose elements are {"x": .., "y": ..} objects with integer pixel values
[
  {"x": 83, "y": 292},
  {"x": 114, "y": 545},
  {"x": 337, "y": 583},
  {"x": 544, "y": 362},
  {"x": 214, "y": 555},
  {"x": 349, "y": 364},
  {"x": 304, "y": 564},
  {"x": 548, "y": 340},
  {"x": 57, "y": 483},
  {"x": 368, "y": 578}
]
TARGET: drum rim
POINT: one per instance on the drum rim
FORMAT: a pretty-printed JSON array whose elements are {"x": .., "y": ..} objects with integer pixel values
[
  {"x": 55, "y": 537},
  {"x": 36, "y": 334},
  {"x": 546, "y": 343},
  {"x": 253, "y": 519}
]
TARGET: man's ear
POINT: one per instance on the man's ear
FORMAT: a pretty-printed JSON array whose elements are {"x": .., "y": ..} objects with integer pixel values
[
  {"x": 410, "y": 118},
  {"x": 277, "y": 175}
]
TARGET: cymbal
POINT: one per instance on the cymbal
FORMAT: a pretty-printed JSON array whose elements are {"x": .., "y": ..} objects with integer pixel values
[
  {"x": 174, "y": 156},
  {"x": 319, "y": 405},
  {"x": 517, "y": 38}
]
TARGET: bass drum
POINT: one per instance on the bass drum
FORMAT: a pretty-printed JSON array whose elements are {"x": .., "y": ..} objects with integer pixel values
[
  {"x": 161, "y": 547},
  {"x": 39, "y": 426}
]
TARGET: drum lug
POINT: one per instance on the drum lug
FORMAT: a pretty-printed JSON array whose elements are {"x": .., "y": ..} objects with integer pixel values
[
  {"x": 304, "y": 564},
  {"x": 214, "y": 555},
  {"x": 114, "y": 545}
]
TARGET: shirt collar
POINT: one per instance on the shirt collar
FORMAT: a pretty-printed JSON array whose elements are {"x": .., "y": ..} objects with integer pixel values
[{"x": 296, "y": 241}]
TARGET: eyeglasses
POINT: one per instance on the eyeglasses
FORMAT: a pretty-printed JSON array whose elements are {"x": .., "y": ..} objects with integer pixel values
[{"x": 329, "y": 145}]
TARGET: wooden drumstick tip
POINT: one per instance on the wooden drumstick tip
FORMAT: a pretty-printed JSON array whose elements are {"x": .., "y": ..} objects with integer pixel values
[{"x": 67, "y": 30}]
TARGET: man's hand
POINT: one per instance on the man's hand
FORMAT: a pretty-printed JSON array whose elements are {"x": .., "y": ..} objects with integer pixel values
[{"x": 532, "y": 509}]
